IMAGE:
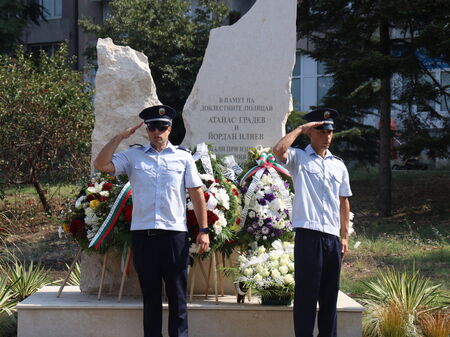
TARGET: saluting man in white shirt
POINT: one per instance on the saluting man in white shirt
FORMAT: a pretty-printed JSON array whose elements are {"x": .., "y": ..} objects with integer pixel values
[
  {"x": 320, "y": 216},
  {"x": 159, "y": 174}
]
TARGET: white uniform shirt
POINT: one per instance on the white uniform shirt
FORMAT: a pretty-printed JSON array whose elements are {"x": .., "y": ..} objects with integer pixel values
[
  {"x": 318, "y": 184},
  {"x": 158, "y": 181}
]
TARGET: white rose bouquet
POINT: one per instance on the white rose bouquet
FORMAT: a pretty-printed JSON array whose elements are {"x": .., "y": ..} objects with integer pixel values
[{"x": 270, "y": 272}]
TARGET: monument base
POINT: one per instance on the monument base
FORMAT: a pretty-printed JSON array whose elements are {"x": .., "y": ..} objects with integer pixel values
[{"x": 80, "y": 315}]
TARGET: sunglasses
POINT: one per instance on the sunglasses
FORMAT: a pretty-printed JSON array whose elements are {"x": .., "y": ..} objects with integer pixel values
[{"x": 161, "y": 128}]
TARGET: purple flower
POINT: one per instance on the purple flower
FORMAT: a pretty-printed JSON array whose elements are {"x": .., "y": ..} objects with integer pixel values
[
  {"x": 286, "y": 184},
  {"x": 243, "y": 189},
  {"x": 267, "y": 220},
  {"x": 250, "y": 230},
  {"x": 269, "y": 197},
  {"x": 266, "y": 172},
  {"x": 262, "y": 201}
]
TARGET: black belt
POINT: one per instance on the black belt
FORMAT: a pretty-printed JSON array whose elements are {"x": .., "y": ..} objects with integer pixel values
[
  {"x": 151, "y": 232},
  {"x": 154, "y": 232}
]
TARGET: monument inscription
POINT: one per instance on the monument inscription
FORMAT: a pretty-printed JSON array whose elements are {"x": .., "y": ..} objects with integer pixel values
[
  {"x": 234, "y": 126},
  {"x": 241, "y": 97}
]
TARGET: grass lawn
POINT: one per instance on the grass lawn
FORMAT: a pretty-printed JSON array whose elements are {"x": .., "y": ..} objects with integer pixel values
[{"x": 416, "y": 236}]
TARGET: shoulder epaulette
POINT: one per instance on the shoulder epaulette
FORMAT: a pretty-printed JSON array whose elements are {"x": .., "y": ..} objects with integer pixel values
[
  {"x": 342, "y": 160},
  {"x": 137, "y": 145},
  {"x": 179, "y": 147}
]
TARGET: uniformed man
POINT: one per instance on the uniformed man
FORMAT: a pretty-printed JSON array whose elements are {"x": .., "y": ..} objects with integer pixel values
[
  {"x": 159, "y": 175},
  {"x": 320, "y": 216}
]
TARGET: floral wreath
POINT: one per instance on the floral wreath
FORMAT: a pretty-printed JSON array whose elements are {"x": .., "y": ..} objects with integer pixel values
[
  {"x": 222, "y": 203},
  {"x": 267, "y": 202},
  {"x": 100, "y": 217}
]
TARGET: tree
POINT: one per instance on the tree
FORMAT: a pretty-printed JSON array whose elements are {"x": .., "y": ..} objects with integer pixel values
[
  {"x": 14, "y": 16},
  {"x": 377, "y": 52},
  {"x": 173, "y": 38},
  {"x": 45, "y": 116}
]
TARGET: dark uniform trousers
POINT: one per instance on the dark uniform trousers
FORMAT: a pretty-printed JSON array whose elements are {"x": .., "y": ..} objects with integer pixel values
[
  {"x": 317, "y": 268},
  {"x": 162, "y": 255}
]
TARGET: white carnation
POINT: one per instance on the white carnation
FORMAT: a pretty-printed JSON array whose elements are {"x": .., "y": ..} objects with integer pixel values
[{"x": 104, "y": 193}]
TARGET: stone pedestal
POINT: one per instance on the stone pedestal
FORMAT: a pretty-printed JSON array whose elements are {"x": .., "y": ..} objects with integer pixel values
[{"x": 80, "y": 315}]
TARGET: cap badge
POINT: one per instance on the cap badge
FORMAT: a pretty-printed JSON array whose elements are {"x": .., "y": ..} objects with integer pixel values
[
  {"x": 326, "y": 114},
  {"x": 162, "y": 111}
]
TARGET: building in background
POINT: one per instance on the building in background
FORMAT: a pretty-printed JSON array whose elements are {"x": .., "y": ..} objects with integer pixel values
[{"x": 62, "y": 25}]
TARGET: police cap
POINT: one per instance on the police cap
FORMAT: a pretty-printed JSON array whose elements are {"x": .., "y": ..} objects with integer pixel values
[
  {"x": 160, "y": 114},
  {"x": 323, "y": 115}
]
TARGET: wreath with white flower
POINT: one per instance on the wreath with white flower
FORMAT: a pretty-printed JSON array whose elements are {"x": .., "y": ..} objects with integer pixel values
[
  {"x": 88, "y": 212},
  {"x": 267, "y": 202},
  {"x": 222, "y": 203},
  {"x": 270, "y": 272}
]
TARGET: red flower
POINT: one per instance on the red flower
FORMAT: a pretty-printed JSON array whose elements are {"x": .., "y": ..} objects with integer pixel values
[
  {"x": 216, "y": 180},
  {"x": 235, "y": 192},
  {"x": 127, "y": 211},
  {"x": 100, "y": 198},
  {"x": 238, "y": 221},
  {"x": 76, "y": 226},
  {"x": 91, "y": 197},
  {"x": 192, "y": 224},
  {"x": 107, "y": 186},
  {"x": 191, "y": 219},
  {"x": 90, "y": 184},
  {"x": 212, "y": 218},
  {"x": 206, "y": 194}
]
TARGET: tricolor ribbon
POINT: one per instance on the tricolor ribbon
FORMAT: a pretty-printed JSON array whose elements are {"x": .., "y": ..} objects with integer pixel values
[
  {"x": 112, "y": 217},
  {"x": 265, "y": 161}
]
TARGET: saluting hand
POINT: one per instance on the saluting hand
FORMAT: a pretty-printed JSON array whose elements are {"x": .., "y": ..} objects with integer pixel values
[
  {"x": 306, "y": 128},
  {"x": 128, "y": 132}
]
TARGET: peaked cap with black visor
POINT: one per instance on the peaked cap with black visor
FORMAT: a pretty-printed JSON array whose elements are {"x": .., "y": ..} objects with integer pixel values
[
  {"x": 158, "y": 116},
  {"x": 326, "y": 115}
]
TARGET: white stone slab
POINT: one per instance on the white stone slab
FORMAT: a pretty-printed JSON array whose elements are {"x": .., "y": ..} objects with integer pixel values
[
  {"x": 77, "y": 315},
  {"x": 123, "y": 87},
  {"x": 242, "y": 94}
]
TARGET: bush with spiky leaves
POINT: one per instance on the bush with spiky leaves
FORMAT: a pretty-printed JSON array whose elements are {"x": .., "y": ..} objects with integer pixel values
[
  {"x": 25, "y": 279},
  {"x": 396, "y": 301}
]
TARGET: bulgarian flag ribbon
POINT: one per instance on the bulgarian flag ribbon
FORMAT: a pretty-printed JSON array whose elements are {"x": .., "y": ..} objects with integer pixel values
[
  {"x": 112, "y": 217},
  {"x": 264, "y": 161}
]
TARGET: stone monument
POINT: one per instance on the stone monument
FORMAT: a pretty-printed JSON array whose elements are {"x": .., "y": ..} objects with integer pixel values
[
  {"x": 242, "y": 94},
  {"x": 124, "y": 86}
]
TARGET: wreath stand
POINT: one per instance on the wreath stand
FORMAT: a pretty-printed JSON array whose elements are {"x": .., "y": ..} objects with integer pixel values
[
  {"x": 129, "y": 254},
  {"x": 69, "y": 272},
  {"x": 213, "y": 267}
]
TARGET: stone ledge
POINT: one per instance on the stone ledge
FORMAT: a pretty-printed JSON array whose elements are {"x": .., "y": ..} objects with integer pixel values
[{"x": 77, "y": 315}]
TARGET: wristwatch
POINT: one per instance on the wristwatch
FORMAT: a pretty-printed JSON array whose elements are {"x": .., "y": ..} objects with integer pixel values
[{"x": 204, "y": 230}]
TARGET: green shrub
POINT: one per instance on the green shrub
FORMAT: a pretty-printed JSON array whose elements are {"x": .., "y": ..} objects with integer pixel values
[
  {"x": 25, "y": 280},
  {"x": 395, "y": 301}
]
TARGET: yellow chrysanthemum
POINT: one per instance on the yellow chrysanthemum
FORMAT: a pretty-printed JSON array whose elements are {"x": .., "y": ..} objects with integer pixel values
[{"x": 94, "y": 203}]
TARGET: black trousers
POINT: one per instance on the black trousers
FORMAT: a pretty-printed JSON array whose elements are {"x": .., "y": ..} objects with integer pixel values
[
  {"x": 162, "y": 255},
  {"x": 317, "y": 270}
]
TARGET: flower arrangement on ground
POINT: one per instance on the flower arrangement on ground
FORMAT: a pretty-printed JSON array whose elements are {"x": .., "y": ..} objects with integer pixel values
[
  {"x": 270, "y": 272},
  {"x": 267, "y": 202},
  {"x": 102, "y": 207},
  {"x": 222, "y": 202}
]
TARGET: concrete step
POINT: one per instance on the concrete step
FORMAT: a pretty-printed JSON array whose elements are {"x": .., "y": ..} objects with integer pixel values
[{"x": 79, "y": 315}]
